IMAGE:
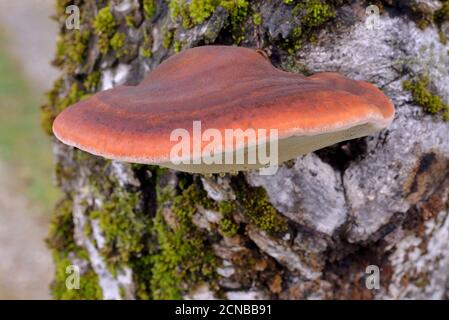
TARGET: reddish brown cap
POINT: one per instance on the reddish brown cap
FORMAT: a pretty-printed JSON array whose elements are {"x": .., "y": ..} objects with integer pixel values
[{"x": 225, "y": 88}]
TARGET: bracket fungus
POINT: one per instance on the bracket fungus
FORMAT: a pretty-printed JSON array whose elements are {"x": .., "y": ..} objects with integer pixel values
[{"x": 202, "y": 108}]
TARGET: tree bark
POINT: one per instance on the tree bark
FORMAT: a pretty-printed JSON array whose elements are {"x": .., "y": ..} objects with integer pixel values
[{"x": 309, "y": 231}]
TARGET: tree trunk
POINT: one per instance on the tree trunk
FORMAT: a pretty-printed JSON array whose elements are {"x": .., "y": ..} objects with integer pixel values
[{"x": 310, "y": 231}]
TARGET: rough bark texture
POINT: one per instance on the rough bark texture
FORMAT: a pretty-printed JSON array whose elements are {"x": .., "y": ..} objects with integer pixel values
[{"x": 309, "y": 231}]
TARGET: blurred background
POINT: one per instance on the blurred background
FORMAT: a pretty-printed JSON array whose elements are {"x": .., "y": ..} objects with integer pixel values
[{"x": 27, "y": 194}]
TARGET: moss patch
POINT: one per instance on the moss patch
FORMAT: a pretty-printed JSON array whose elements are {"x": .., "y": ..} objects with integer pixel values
[
  {"x": 123, "y": 226},
  {"x": 117, "y": 44},
  {"x": 72, "y": 56},
  {"x": 257, "y": 19},
  {"x": 177, "y": 46},
  {"x": 92, "y": 81},
  {"x": 149, "y": 7},
  {"x": 146, "y": 47},
  {"x": 60, "y": 234},
  {"x": 317, "y": 13},
  {"x": 117, "y": 41},
  {"x": 442, "y": 14},
  {"x": 88, "y": 282},
  {"x": 104, "y": 27},
  {"x": 258, "y": 209},
  {"x": 184, "y": 258},
  {"x": 423, "y": 96},
  {"x": 228, "y": 227},
  {"x": 60, "y": 240},
  {"x": 313, "y": 14},
  {"x": 179, "y": 12},
  {"x": 58, "y": 101},
  {"x": 71, "y": 49},
  {"x": 167, "y": 39},
  {"x": 198, "y": 11},
  {"x": 59, "y": 98},
  {"x": 238, "y": 10}
]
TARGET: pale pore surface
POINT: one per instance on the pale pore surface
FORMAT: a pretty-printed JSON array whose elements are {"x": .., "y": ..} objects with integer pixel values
[{"x": 288, "y": 149}]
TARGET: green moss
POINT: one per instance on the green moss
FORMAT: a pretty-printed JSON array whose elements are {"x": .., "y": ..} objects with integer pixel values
[
  {"x": 149, "y": 7},
  {"x": 238, "y": 10},
  {"x": 125, "y": 221},
  {"x": 227, "y": 225},
  {"x": 257, "y": 19},
  {"x": 258, "y": 208},
  {"x": 57, "y": 102},
  {"x": 117, "y": 41},
  {"x": 314, "y": 14},
  {"x": 142, "y": 267},
  {"x": 146, "y": 53},
  {"x": 177, "y": 46},
  {"x": 77, "y": 48},
  {"x": 184, "y": 259},
  {"x": 74, "y": 95},
  {"x": 226, "y": 207},
  {"x": 167, "y": 39},
  {"x": 198, "y": 11},
  {"x": 130, "y": 21},
  {"x": 123, "y": 226},
  {"x": 128, "y": 227},
  {"x": 60, "y": 6},
  {"x": 64, "y": 172},
  {"x": 317, "y": 12},
  {"x": 60, "y": 235},
  {"x": 92, "y": 81},
  {"x": 289, "y": 2},
  {"x": 87, "y": 229},
  {"x": 295, "y": 42},
  {"x": 104, "y": 27},
  {"x": 117, "y": 44},
  {"x": 146, "y": 48},
  {"x": 60, "y": 240},
  {"x": 442, "y": 14},
  {"x": 88, "y": 282},
  {"x": 422, "y": 95},
  {"x": 71, "y": 49},
  {"x": 48, "y": 112},
  {"x": 176, "y": 7},
  {"x": 157, "y": 171},
  {"x": 179, "y": 10}
]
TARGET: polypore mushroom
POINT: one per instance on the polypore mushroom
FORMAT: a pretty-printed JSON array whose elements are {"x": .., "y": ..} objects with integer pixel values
[{"x": 199, "y": 96}]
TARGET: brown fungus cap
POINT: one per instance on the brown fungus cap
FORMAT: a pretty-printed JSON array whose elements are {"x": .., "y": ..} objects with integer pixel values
[{"x": 225, "y": 88}]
